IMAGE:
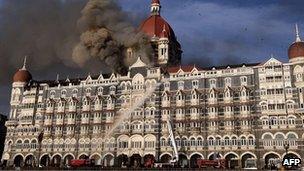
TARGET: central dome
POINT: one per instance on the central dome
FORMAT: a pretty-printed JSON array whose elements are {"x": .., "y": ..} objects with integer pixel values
[{"x": 154, "y": 25}]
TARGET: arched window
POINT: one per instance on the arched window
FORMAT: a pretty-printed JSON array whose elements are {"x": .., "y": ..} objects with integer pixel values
[
  {"x": 243, "y": 141},
  {"x": 251, "y": 141},
  {"x": 34, "y": 144},
  {"x": 218, "y": 141},
  {"x": 100, "y": 91},
  {"x": 211, "y": 141},
  {"x": 178, "y": 142},
  {"x": 227, "y": 141},
  {"x": 193, "y": 142},
  {"x": 279, "y": 140},
  {"x": 184, "y": 142},
  {"x": 228, "y": 81},
  {"x": 63, "y": 93},
  {"x": 180, "y": 85},
  {"x": 200, "y": 141},
  {"x": 75, "y": 93}
]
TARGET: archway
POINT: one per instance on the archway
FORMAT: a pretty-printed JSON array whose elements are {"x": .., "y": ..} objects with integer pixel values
[
  {"x": 248, "y": 161},
  {"x": 291, "y": 156},
  {"x": 122, "y": 160},
  {"x": 165, "y": 158},
  {"x": 214, "y": 156},
  {"x": 67, "y": 159},
  {"x": 232, "y": 160},
  {"x": 183, "y": 160},
  {"x": 83, "y": 156},
  {"x": 149, "y": 160},
  {"x": 18, "y": 161},
  {"x": 30, "y": 161},
  {"x": 272, "y": 160},
  {"x": 45, "y": 160},
  {"x": 108, "y": 160},
  {"x": 97, "y": 159},
  {"x": 56, "y": 160},
  {"x": 193, "y": 160},
  {"x": 135, "y": 160}
]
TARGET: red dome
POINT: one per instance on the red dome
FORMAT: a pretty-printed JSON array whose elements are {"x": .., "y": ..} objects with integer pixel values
[
  {"x": 22, "y": 75},
  {"x": 154, "y": 25},
  {"x": 155, "y": 2},
  {"x": 296, "y": 50}
]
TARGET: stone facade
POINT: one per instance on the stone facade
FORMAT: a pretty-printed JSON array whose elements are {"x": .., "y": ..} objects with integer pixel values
[{"x": 246, "y": 113}]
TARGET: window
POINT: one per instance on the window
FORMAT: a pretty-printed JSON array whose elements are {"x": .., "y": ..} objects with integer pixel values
[
  {"x": 227, "y": 81},
  {"x": 100, "y": 91},
  {"x": 180, "y": 85},
  {"x": 211, "y": 141},
  {"x": 243, "y": 80},
  {"x": 75, "y": 92},
  {"x": 212, "y": 83},
  {"x": 63, "y": 93},
  {"x": 52, "y": 94},
  {"x": 88, "y": 92},
  {"x": 112, "y": 90},
  {"x": 195, "y": 84}
]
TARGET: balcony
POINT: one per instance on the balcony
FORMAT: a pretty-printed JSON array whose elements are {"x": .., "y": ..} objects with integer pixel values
[
  {"x": 86, "y": 108},
  {"x": 72, "y": 108},
  {"x": 194, "y": 102},
  {"x": 180, "y": 103},
  {"x": 165, "y": 103},
  {"x": 109, "y": 119}
]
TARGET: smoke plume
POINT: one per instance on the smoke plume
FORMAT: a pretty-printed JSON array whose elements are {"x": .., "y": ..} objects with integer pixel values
[{"x": 107, "y": 34}]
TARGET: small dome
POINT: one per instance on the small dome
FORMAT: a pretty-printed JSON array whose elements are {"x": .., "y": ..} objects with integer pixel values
[
  {"x": 296, "y": 50},
  {"x": 22, "y": 76}
]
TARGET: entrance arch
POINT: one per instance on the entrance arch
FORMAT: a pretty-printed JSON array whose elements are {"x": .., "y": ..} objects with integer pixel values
[
  {"x": 271, "y": 160},
  {"x": 232, "y": 160},
  {"x": 183, "y": 161},
  {"x": 45, "y": 160},
  {"x": 97, "y": 159},
  {"x": 193, "y": 160},
  {"x": 56, "y": 160},
  {"x": 30, "y": 160},
  {"x": 247, "y": 160},
  {"x": 149, "y": 160},
  {"x": 83, "y": 156},
  {"x": 135, "y": 160},
  {"x": 214, "y": 156},
  {"x": 18, "y": 160},
  {"x": 67, "y": 159},
  {"x": 291, "y": 155},
  {"x": 122, "y": 160},
  {"x": 108, "y": 160},
  {"x": 165, "y": 158}
]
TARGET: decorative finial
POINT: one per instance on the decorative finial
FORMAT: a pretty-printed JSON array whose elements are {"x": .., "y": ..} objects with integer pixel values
[
  {"x": 298, "y": 39},
  {"x": 57, "y": 78},
  {"x": 67, "y": 79},
  {"x": 24, "y": 63}
]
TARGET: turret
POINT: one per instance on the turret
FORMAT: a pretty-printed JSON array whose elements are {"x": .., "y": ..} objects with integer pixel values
[{"x": 163, "y": 47}]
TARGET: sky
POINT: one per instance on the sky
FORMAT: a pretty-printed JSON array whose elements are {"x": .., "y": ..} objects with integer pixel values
[{"x": 211, "y": 32}]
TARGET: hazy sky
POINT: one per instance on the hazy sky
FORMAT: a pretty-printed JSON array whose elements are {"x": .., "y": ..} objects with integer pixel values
[{"x": 211, "y": 32}]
